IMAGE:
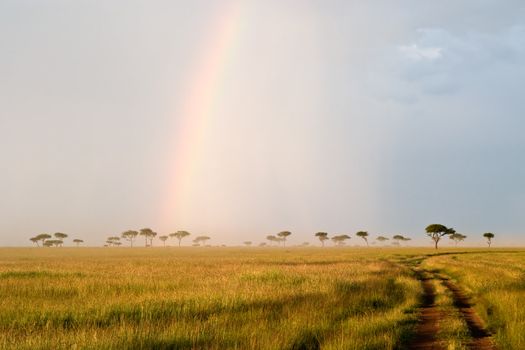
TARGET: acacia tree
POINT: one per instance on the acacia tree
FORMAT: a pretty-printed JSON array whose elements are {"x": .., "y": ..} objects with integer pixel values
[
  {"x": 200, "y": 239},
  {"x": 489, "y": 236},
  {"x": 340, "y": 239},
  {"x": 43, "y": 237},
  {"x": 35, "y": 240},
  {"x": 363, "y": 235},
  {"x": 382, "y": 239},
  {"x": 282, "y": 235},
  {"x": 272, "y": 238},
  {"x": 400, "y": 238},
  {"x": 322, "y": 236},
  {"x": 247, "y": 243},
  {"x": 457, "y": 237},
  {"x": 163, "y": 239},
  {"x": 60, "y": 236},
  {"x": 130, "y": 236},
  {"x": 148, "y": 234},
  {"x": 180, "y": 235},
  {"x": 437, "y": 231},
  {"x": 53, "y": 242},
  {"x": 78, "y": 241},
  {"x": 113, "y": 241}
]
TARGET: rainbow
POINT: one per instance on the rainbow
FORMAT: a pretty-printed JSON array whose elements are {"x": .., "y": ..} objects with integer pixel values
[{"x": 197, "y": 111}]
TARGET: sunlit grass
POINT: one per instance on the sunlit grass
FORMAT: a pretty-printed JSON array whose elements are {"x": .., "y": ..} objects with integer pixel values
[
  {"x": 246, "y": 298},
  {"x": 496, "y": 282},
  {"x": 204, "y": 298},
  {"x": 453, "y": 331}
]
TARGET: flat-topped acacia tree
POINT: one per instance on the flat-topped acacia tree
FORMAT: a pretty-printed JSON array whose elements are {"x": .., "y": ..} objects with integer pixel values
[
  {"x": 247, "y": 243},
  {"x": 148, "y": 234},
  {"x": 401, "y": 238},
  {"x": 282, "y": 235},
  {"x": 489, "y": 236},
  {"x": 35, "y": 240},
  {"x": 438, "y": 231},
  {"x": 180, "y": 235},
  {"x": 163, "y": 239},
  {"x": 322, "y": 236},
  {"x": 340, "y": 239},
  {"x": 200, "y": 239},
  {"x": 113, "y": 241},
  {"x": 382, "y": 239},
  {"x": 273, "y": 238},
  {"x": 398, "y": 238},
  {"x": 457, "y": 237},
  {"x": 60, "y": 236},
  {"x": 43, "y": 237},
  {"x": 53, "y": 242},
  {"x": 363, "y": 235},
  {"x": 78, "y": 241},
  {"x": 130, "y": 236}
]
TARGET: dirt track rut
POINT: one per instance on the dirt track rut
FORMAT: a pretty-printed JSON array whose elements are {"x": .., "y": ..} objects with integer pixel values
[
  {"x": 427, "y": 328},
  {"x": 430, "y": 315}
]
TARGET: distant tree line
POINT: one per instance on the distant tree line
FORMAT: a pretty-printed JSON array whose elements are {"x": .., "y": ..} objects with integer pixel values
[
  {"x": 435, "y": 231},
  {"x": 279, "y": 238},
  {"x": 55, "y": 240},
  {"x": 149, "y": 235},
  {"x": 339, "y": 240}
]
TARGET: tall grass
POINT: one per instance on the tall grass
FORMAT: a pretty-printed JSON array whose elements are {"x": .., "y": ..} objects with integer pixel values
[
  {"x": 496, "y": 282},
  {"x": 453, "y": 333},
  {"x": 204, "y": 298}
]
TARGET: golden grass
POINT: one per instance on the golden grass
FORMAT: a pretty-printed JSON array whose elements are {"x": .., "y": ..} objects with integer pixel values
[
  {"x": 453, "y": 331},
  {"x": 496, "y": 281},
  {"x": 246, "y": 298},
  {"x": 229, "y": 298}
]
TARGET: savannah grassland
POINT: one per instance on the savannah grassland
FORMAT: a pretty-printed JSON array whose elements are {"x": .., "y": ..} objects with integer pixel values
[{"x": 246, "y": 298}]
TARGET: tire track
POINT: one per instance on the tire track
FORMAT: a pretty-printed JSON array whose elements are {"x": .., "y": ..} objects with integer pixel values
[
  {"x": 428, "y": 324},
  {"x": 481, "y": 337},
  {"x": 429, "y": 317}
]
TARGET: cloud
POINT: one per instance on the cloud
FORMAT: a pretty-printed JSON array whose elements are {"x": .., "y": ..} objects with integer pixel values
[
  {"x": 439, "y": 61},
  {"x": 417, "y": 53}
]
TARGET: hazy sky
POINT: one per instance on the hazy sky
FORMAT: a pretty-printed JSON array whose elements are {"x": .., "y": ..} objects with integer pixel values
[{"x": 331, "y": 115}]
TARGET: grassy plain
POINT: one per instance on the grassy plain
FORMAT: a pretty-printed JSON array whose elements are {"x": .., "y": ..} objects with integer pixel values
[
  {"x": 496, "y": 283},
  {"x": 235, "y": 298}
]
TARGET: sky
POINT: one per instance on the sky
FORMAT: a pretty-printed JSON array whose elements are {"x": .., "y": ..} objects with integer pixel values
[{"x": 238, "y": 119}]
